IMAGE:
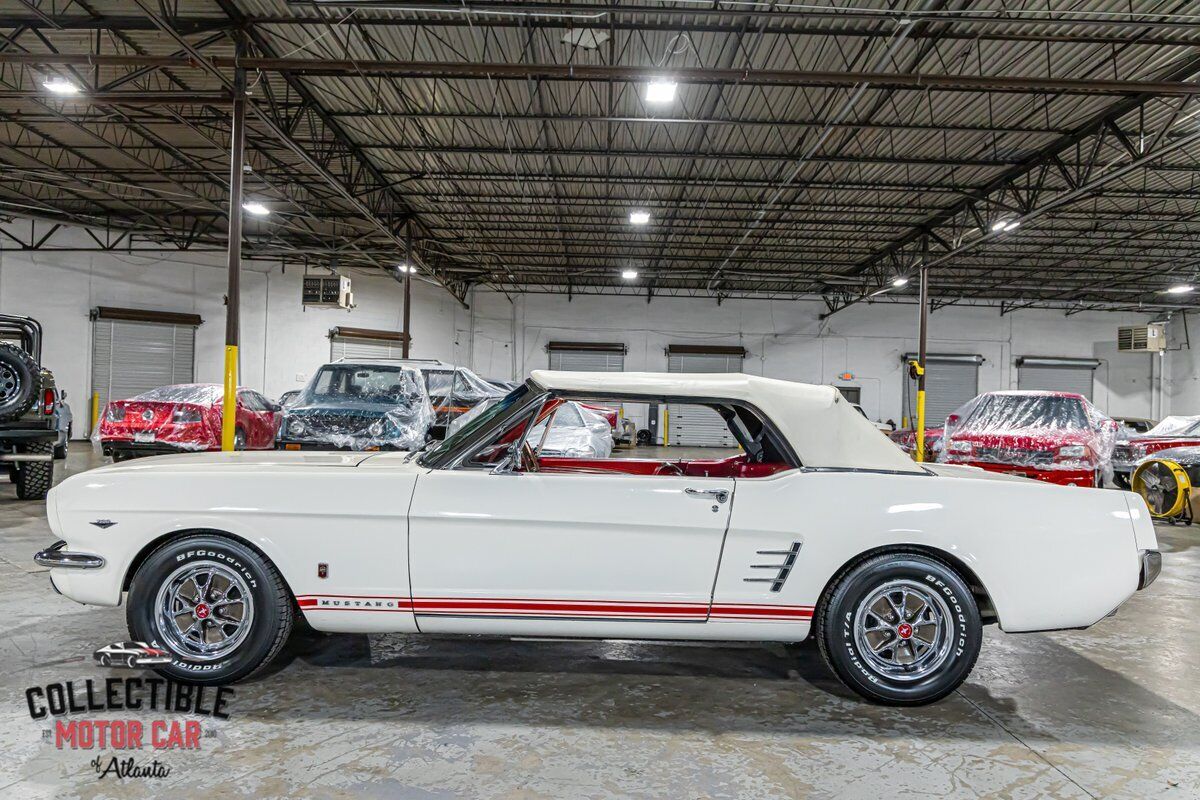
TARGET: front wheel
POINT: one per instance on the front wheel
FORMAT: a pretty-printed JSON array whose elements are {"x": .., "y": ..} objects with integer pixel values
[
  {"x": 900, "y": 629},
  {"x": 217, "y": 606}
]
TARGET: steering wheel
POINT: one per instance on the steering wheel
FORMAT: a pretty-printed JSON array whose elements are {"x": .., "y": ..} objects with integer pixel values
[
  {"x": 669, "y": 468},
  {"x": 527, "y": 459}
]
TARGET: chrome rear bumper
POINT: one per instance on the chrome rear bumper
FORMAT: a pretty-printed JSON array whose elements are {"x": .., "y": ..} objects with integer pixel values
[
  {"x": 54, "y": 556},
  {"x": 1151, "y": 566}
]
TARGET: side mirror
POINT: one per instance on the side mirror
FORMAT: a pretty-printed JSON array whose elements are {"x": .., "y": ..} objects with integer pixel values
[
  {"x": 62, "y": 393},
  {"x": 951, "y": 420}
]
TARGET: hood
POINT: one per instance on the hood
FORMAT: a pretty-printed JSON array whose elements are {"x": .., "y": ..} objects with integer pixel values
[
  {"x": 1184, "y": 456},
  {"x": 241, "y": 458},
  {"x": 364, "y": 410},
  {"x": 1029, "y": 439}
]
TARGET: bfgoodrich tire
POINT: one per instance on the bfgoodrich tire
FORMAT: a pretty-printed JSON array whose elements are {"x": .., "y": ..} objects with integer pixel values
[
  {"x": 900, "y": 629},
  {"x": 217, "y": 606},
  {"x": 34, "y": 478}
]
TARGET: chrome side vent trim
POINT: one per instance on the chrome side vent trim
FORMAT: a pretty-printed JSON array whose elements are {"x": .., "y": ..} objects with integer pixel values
[{"x": 782, "y": 571}]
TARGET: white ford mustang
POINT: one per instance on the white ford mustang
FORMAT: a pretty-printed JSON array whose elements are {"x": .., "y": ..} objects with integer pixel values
[{"x": 819, "y": 525}]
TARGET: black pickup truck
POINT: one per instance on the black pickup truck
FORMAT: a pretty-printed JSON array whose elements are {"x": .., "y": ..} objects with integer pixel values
[{"x": 27, "y": 403}]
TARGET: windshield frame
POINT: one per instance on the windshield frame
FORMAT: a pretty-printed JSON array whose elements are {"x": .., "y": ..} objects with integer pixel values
[{"x": 465, "y": 441}]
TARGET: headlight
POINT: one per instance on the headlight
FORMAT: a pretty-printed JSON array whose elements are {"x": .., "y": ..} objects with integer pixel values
[
  {"x": 1073, "y": 451},
  {"x": 296, "y": 427},
  {"x": 959, "y": 447},
  {"x": 376, "y": 428}
]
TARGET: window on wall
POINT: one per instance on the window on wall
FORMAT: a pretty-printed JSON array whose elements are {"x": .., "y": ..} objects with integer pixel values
[
  {"x": 364, "y": 344},
  {"x": 852, "y": 394},
  {"x": 951, "y": 379},
  {"x": 136, "y": 350},
  {"x": 1076, "y": 375},
  {"x": 700, "y": 426},
  {"x": 587, "y": 356}
]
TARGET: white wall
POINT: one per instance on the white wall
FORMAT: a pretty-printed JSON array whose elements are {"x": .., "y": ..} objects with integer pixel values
[{"x": 282, "y": 343}]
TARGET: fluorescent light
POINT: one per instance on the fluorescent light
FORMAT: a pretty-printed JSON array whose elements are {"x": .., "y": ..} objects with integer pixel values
[
  {"x": 660, "y": 91},
  {"x": 60, "y": 86},
  {"x": 256, "y": 208},
  {"x": 899, "y": 281},
  {"x": 629, "y": 274},
  {"x": 1005, "y": 225},
  {"x": 639, "y": 217},
  {"x": 1182, "y": 288},
  {"x": 405, "y": 268},
  {"x": 1012, "y": 226}
]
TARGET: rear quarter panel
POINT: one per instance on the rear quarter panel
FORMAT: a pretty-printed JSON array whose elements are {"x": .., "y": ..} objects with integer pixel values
[
  {"x": 1050, "y": 557},
  {"x": 353, "y": 520}
]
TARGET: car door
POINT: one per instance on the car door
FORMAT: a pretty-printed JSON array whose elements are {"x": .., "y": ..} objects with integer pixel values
[{"x": 607, "y": 553}]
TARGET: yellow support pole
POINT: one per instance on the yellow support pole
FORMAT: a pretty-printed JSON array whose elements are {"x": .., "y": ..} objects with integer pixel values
[
  {"x": 95, "y": 411},
  {"x": 920, "y": 425},
  {"x": 229, "y": 409},
  {"x": 666, "y": 427}
]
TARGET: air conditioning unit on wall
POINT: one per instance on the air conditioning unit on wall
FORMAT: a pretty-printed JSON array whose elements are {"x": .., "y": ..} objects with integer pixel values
[
  {"x": 327, "y": 291},
  {"x": 1150, "y": 338}
]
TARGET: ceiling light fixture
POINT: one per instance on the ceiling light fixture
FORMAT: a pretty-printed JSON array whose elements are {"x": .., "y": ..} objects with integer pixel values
[
  {"x": 629, "y": 274},
  {"x": 1182, "y": 288},
  {"x": 256, "y": 208},
  {"x": 639, "y": 217},
  {"x": 660, "y": 91},
  {"x": 899, "y": 281},
  {"x": 1005, "y": 225},
  {"x": 60, "y": 86},
  {"x": 405, "y": 268}
]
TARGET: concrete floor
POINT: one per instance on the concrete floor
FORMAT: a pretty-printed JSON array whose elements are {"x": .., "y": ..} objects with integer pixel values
[{"x": 1110, "y": 712}]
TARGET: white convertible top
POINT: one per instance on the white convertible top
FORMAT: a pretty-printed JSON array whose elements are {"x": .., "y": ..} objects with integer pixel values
[{"x": 822, "y": 427}]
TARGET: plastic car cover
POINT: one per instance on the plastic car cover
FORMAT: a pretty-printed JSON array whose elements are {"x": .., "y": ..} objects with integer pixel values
[
  {"x": 453, "y": 388},
  {"x": 1171, "y": 426},
  {"x": 1036, "y": 430},
  {"x": 575, "y": 431},
  {"x": 179, "y": 416},
  {"x": 360, "y": 407}
]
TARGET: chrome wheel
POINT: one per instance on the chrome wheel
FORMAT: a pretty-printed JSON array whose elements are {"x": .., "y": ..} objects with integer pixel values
[
  {"x": 204, "y": 611},
  {"x": 903, "y": 631}
]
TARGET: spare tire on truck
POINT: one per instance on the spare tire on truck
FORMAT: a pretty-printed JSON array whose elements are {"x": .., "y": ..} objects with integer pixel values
[{"x": 20, "y": 380}]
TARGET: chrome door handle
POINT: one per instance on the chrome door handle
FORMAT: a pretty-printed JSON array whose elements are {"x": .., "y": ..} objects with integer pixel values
[{"x": 721, "y": 495}]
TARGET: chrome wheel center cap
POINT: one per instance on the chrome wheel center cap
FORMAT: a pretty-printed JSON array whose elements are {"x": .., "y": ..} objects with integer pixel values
[
  {"x": 201, "y": 611},
  {"x": 904, "y": 630}
]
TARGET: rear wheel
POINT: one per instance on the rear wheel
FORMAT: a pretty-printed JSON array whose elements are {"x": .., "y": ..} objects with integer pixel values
[
  {"x": 20, "y": 382},
  {"x": 217, "y": 606},
  {"x": 33, "y": 478},
  {"x": 900, "y": 629}
]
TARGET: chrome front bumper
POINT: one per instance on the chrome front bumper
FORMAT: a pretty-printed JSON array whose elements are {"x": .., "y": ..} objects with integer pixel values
[
  {"x": 54, "y": 556},
  {"x": 1151, "y": 566}
]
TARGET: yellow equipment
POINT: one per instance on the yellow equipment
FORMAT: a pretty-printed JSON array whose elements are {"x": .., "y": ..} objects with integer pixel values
[{"x": 1165, "y": 487}]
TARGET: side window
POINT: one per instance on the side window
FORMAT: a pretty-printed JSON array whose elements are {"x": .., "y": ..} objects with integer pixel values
[{"x": 496, "y": 449}]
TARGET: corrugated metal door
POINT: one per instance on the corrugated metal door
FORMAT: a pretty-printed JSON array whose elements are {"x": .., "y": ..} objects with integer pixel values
[
  {"x": 1058, "y": 378},
  {"x": 587, "y": 361},
  {"x": 129, "y": 358},
  {"x": 699, "y": 426},
  {"x": 948, "y": 384},
  {"x": 355, "y": 349}
]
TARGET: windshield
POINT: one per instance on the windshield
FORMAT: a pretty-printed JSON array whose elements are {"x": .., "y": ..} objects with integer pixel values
[
  {"x": 999, "y": 412},
  {"x": 468, "y": 431},
  {"x": 349, "y": 383}
]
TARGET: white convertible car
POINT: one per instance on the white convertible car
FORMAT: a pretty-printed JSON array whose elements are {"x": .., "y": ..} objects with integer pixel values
[{"x": 818, "y": 526}]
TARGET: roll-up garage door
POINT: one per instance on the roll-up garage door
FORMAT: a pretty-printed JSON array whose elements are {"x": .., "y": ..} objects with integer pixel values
[
  {"x": 364, "y": 344},
  {"x": 950, "y": 381},
  {"x": 134, "y": 351},
  {"x": 700, "y": 426},
  {"x": 1057, "y": 374},
  {"x": 587, "y": 356}
]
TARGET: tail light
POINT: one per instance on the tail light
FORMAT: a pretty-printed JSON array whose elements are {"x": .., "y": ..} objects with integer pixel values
[
  {"x": 185, "y": 416},
  {"x": 114, "y": 413},
  {"x": 48, "y": 402}
]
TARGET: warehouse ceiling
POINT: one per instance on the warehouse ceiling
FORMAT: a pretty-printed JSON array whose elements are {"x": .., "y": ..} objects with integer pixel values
[{"x": 1025, "y": 156}]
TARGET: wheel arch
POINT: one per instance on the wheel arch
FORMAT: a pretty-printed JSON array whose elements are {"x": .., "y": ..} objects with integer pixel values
[
  {"x": 987, "y": 609},
  {"x": 154, "y": 544}
]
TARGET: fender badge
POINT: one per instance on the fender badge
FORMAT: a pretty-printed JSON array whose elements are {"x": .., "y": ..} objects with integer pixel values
[{"x": 103, "y": 523}]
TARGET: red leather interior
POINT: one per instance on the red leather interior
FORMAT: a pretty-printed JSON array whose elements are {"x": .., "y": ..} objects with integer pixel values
[{"x": 732, "y": 467}]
